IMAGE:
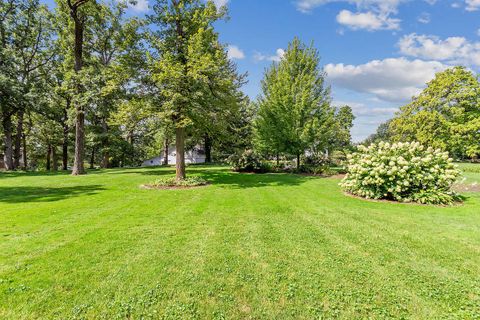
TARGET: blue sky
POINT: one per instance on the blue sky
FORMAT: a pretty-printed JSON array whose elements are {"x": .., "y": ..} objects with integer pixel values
[{"x": 377, "y": 53}]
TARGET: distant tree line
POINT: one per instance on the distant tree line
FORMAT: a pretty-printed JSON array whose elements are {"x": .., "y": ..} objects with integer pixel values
[
  {"x": 445, "y": 115},
  {"x": 85, "y": 85}
]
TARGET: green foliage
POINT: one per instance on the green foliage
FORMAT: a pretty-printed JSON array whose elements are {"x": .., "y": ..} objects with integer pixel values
[
  {"x": 294, "y": 112},
  {"x": 405, "y": 172},
  {"x": 171, "y": 182},
  {"x": 445, "y": 115},
  {"x": 383, "y": 133},
  {"x": 341, "y": 135},
  {"x": 316, "y": 165},
  {"x": 247, "y": 161},
  {"x": 197, "y": 85}
]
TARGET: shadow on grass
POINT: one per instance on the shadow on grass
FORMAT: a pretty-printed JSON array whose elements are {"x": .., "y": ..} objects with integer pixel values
[
  {"x": 43, "y": 194},
  {"x": 250, "y": 180},
  {"x": 224, "y": 176},
  {"x": 16, "y": 174}
]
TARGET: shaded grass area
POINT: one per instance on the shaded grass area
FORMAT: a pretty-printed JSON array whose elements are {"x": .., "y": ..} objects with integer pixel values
[{"x": 246, "y": 246}]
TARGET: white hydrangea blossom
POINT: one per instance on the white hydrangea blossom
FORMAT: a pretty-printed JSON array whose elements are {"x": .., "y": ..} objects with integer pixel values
[{"x": 402, "y": 172}]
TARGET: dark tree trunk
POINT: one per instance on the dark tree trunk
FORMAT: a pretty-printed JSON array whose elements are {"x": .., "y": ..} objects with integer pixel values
[
  {"x": 298, "y": 160},
  {"x": 278, "y": 159},
  {"x": 105, "y": 146},
  {"x": 208, "y": 149},
  {"x": 66, "y": 130},
  {"x": 49, "y": 152},
  {"x": 106, "y": 160},
  {"x": 165, "y": 152},
  {"x": 54, "y": 158},
  {"x": 92, "y": 159},
  {"x": 24, "y": 151},
  {"x": 180, "y": 157},
  {"x": 18, "y": 140},
  {"x": 7, "y": 143},
  {"x": 78, "y": 166}
]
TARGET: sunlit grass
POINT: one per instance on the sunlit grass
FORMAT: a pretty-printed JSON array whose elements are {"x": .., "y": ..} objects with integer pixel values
[{"x": 269, "y": 246}]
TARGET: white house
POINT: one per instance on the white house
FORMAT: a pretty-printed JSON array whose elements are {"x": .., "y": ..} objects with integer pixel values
[{"x": 195, "y": 155}]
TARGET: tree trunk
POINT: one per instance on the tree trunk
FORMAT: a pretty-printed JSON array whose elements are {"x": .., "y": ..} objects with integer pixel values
[
  {"x": 7, "y": 148},
  {"x": 78, "y": 166},
  {"x": 54, "y": 158},
  {"x": 278, "y": 159},
  {"x": 298, "y": 160},
  {"x": 92, "y": 159},
  {"x": 105, "y": 154},
  {"x": 66, "y": 130},
  {"x": 165, "y": 152},
  {"x": 24, "y": 151},
  {"x": 208, "y": 149},
  {"x": 180, "y": 157},
  {"x": 18, "y": 140},
  {"x": 49, "y": 152}
]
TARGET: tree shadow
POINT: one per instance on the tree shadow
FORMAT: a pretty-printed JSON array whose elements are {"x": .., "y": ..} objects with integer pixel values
[
  {"x": 224, "y": 176},
  {"x": 16, "y": 174},
  {"x": 231, "y": 179},
  {"x": 45, "y": 194}
]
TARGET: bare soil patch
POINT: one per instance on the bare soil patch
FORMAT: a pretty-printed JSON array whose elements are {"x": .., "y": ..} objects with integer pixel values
[
  {"x": 150, "y": 187},
  {"x": 466, "y": 187}
]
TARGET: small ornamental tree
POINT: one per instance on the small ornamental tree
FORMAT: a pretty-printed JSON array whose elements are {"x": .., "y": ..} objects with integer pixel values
[{"x": 405, "y": 172}]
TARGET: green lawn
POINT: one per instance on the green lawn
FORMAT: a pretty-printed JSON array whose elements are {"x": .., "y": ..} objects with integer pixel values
[{"x": 247, "y": 246}]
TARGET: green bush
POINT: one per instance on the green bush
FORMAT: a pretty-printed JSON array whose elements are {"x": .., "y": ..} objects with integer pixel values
[
  {"x": 171, "y": 182},
  {"x": 405, "y": 172},
  {"x": 316, "y": 164},
  {"x": 248, "y": 161}
]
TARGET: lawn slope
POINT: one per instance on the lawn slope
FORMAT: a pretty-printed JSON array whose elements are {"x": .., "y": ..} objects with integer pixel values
[{"x": 246, "y": 246}]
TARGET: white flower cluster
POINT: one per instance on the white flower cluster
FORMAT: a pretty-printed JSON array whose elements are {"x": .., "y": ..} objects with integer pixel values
[{"x": 403, "y": 172}]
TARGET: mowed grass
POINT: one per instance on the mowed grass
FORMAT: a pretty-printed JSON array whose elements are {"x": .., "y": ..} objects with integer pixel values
[{"x": 246, "y": 247}]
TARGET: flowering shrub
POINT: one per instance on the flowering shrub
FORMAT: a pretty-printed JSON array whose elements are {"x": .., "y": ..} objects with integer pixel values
[
  {"x": 405, "y": 172},
  {"x": 248, "y": 161}
]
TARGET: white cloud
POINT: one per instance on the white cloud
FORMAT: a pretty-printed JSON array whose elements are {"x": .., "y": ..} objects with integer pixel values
[
  {"x": 234, "y": 52},
  {"x": 380, "y": 6},
  {"x": 455, "y": 50},
  {"x": 395, "y": 79},
  {"x": 424, "y": 18},
  {"x": 277, "y": 57},
  {"x": 139, "y": 6},
  {"x": 431, "y": 2},
  {"x": 371, "y": 14},
  {"x": 368, "y": 21},
  {"x": 472, "y": 5},
  {"x": 362, "y": 110},
  {"x": 220, "y": 3}
]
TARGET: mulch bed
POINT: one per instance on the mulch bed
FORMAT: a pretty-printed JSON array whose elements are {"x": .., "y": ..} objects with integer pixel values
[
  {"x": 398, "y": 202},
  {"x": 149, "y": 187}
]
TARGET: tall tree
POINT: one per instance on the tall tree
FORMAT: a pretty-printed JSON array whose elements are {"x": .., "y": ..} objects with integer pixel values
[
  {"x": 294, "y": 107},
  {"x": 25, "y": 34},
  {"x": 117, "y": 59},
  {"x": 445, "y": 115},
  {"x": 188, "y": 65},
  {"x": 344, "y": 123},
  {"x": 79, "y": 16}
]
